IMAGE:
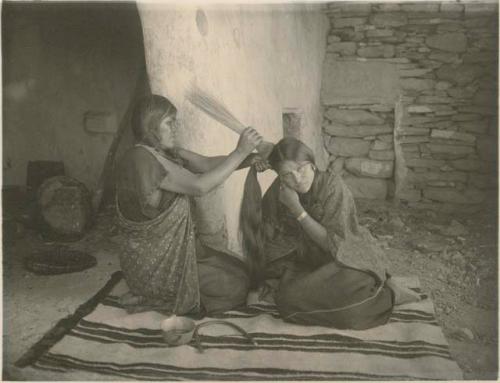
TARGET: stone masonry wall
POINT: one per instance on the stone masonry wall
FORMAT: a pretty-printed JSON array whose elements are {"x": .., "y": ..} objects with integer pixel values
[
  {"x": 360, "y": 140},
  {"x": 445, "y": 123}
]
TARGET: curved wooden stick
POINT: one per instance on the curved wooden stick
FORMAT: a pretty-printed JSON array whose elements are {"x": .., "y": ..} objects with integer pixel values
[{"x": 210, "y": 322}]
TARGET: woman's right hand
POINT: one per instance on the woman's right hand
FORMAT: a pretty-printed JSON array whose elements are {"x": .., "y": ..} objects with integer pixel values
[{"x": 249, "y": 140}]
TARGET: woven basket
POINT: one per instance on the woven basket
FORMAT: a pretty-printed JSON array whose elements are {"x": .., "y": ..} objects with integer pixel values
[
  {"x": 59, "y": 261},
  {"x": 65, "y": 209}
]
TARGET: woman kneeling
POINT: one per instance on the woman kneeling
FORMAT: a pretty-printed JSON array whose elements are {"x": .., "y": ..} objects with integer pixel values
[
  {"x": 330, "y": 270},
  {"x": 165, "y": 266}
]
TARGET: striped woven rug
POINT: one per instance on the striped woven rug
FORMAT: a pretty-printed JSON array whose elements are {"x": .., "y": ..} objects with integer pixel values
[{"x": 109, "y": 344}]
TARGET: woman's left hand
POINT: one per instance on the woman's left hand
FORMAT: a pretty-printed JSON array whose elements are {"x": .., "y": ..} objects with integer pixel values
[
  {"x": 259, "y": 163},
  {"x": 290, "y": 199}
]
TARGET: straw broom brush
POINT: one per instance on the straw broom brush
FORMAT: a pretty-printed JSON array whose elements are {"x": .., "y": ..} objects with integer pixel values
[{"x": 218, "y": 111}]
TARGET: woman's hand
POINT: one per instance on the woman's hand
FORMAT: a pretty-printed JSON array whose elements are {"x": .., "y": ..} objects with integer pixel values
[
  {"x": 259, "y": 163},
  {"x": 290, "y": 199},
  {"x": 249, "y": 139}
]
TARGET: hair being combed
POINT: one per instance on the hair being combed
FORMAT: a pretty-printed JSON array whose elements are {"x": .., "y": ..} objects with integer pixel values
[
  {"x": 288, "y": 148},
  {"x": 147, "y": 115},
  {"x": 250, "y": 226}
]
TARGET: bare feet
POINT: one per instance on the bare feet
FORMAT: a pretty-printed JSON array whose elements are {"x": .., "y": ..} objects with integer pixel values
[
  {"x": 129, "y": 299},
  {"x": 402, "y": 294}
]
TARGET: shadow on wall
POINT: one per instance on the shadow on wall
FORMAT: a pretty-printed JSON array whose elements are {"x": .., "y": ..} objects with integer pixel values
[{"x": 70, "y": 71}]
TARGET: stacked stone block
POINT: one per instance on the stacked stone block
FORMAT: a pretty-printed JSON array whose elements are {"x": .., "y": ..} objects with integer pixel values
[
  {"x": 360, "y": 142},
  {"x": 447, "y": 60}
]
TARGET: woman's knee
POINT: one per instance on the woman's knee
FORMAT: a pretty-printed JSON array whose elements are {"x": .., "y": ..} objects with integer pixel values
[
  {"x": 288, "y": 299},
  {"x": 222, "y": 290}
]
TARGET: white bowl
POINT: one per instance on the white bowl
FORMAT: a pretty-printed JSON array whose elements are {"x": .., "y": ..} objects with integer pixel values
[{"x": 177, "y": 330}]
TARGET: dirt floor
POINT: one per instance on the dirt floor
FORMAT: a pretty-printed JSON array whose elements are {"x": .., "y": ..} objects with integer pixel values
[{"x": 454, "y": 255}]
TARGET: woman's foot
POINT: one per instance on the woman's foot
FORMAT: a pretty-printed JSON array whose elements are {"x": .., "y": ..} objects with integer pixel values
[
  {"x": 129, "y": 299},
  {"x": 402, "y": 294}
]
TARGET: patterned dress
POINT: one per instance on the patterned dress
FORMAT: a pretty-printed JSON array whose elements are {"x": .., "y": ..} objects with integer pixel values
[{"x": 163, "y": 263}]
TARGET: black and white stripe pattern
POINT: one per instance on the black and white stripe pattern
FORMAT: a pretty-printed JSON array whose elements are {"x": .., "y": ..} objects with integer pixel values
[
  {"x": 312, "y": 344},
  {"x": 113, "y": 345},
  {"x": 153, "y": 371}
]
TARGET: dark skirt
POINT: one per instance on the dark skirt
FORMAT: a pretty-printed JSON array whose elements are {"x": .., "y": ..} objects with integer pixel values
[
  {"x": 224, "y": 281},
  {"x": 334, "y": 296}
]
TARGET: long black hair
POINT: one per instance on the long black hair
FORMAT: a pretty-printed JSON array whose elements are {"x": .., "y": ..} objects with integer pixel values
[{"x": 288, "y": 148}]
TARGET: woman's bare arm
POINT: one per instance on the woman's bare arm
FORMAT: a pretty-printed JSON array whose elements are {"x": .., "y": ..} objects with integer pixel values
[
  {"x": 198, "y": 163},
  {"x": 315, "y": 231},
  {"x": 183, "y": 181},
  {"x": 313, "y": 228}
]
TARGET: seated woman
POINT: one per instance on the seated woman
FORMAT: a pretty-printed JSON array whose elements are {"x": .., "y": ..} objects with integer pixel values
[
  {"x": 165, "y": 267},
  {"x": 330, "y": 270}
]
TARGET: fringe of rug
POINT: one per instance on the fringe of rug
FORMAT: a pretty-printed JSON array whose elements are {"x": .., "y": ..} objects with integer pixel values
[{"x": 66, "y": 324}]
